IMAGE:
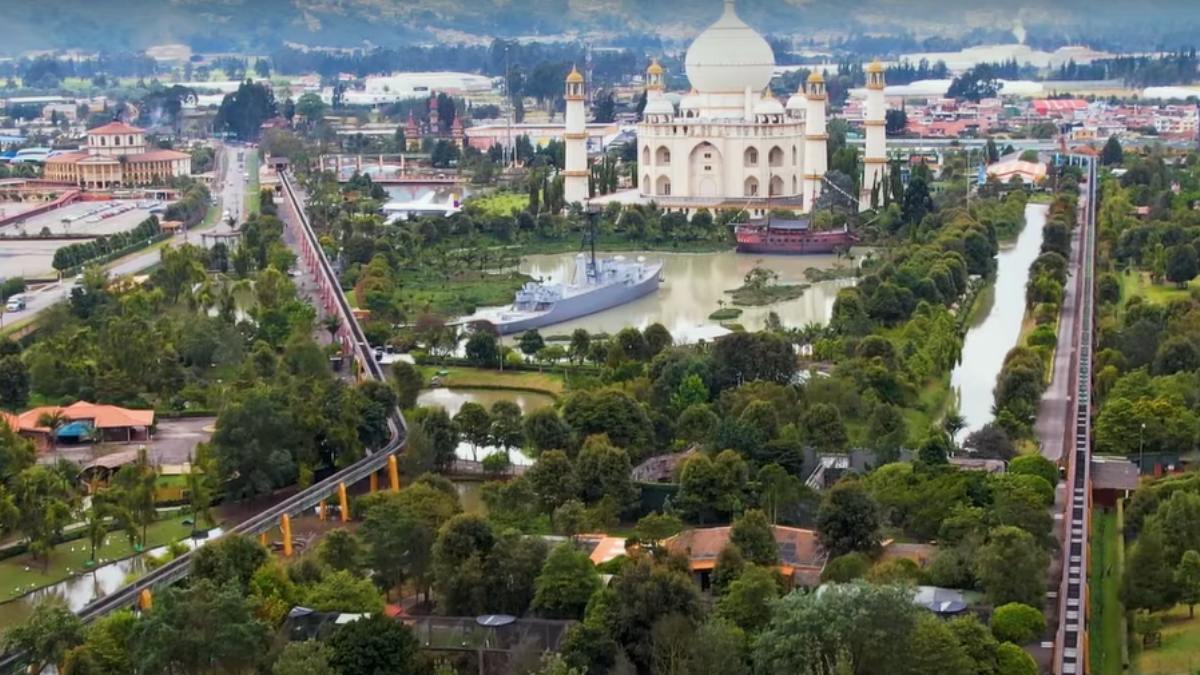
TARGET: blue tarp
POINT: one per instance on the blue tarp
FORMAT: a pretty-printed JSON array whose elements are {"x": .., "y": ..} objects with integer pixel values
[{"x": 74, "y": 430}]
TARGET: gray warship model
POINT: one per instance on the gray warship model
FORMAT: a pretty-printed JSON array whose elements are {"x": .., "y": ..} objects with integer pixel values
[{"x": 600, "y": 284}]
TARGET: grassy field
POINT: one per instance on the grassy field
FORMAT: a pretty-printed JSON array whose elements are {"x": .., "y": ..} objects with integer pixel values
[
  {"x": 252, "y": 187},
  {"x": 1105, "y": 631},
  {"x": 21, "y": 574},
  {"x": 1138, "y": 283},
  {"x": 461, "y": 295},
  {"x": 1179, "y": 653},
  {"x": 501, "y": 203},
  {"x": 480, "y": 378}
]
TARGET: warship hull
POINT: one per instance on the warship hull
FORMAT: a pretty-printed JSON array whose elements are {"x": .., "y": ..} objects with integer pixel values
[{"x": 589, "y": 301}]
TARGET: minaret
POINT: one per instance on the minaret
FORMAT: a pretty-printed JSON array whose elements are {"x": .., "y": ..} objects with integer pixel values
[
  {"x": 875, "y": 121},
  {"x": 575, "y": 177},
  {"x": 435, "y": 129},
  {"x": 815, "y": 139}
]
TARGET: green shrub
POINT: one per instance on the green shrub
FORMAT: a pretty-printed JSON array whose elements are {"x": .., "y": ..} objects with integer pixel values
[
  {"x": 846, "y": 568},
  {"x": 1017, "y": 623},
  {"x": 1035, "y": 465}
]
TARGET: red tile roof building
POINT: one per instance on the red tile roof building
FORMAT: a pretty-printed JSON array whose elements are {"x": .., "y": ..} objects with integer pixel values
[
  {"x": 116, "y": 155},
  {"x": 114, "y": 424}
]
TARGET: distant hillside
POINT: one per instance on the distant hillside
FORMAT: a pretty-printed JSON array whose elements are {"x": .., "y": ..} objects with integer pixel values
[{"x": 261, "y": 25}]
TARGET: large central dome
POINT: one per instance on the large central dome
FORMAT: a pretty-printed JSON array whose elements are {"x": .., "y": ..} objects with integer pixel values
[{"x": 730, "y": 56}]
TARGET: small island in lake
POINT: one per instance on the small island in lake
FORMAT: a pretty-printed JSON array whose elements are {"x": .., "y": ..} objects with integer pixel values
[{"x": 762, "y": 287}]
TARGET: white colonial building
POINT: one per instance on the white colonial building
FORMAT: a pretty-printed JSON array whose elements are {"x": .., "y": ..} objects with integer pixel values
[
  {"x": 117, "y": 155},
  {"x": 731, "y": 143}
]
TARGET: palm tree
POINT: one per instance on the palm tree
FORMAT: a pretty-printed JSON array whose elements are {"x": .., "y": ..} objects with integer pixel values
[
  {"x": 138, "y": 482},
  {"x": 53, "y": 420},
  {"x": 952, "y": 424},
  {"x": 332, "y": 324},
  {"x": 201, "y": 477}
]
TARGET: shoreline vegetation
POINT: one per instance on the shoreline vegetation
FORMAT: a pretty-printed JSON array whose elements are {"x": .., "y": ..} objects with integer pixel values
[{"x": 725, "y": 314}]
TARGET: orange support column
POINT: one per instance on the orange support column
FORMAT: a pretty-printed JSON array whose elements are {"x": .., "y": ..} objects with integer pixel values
[
  {"x": 323, "y": 510},
  {"x": 343, "y": 502},
  {"x": 286, "y": 527},
  {"x": 394, "y": 473},
  {"x": 262, "y": 539},
  {"x": 145, "y": 602},
  {"x": 374, "y": 481},
  {"x": 1087, "y": 653}
]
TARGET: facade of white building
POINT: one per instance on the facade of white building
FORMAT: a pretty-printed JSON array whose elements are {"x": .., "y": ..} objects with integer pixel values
[{"x": 730, "y": 144}]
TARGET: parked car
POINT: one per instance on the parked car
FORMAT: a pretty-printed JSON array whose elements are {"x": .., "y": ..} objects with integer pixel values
[{"x": 15, "y": 304}]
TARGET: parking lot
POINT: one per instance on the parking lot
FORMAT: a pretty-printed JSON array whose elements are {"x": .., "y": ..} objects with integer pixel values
[
  {"x": 95, "y": 225},
  {"x": 33, "y": 257},
  {"x": 174, "y": 442}
]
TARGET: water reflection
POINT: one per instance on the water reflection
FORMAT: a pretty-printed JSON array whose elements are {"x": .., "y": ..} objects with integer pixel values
[
  {"x": 694, "y": 288},
  {"x": 453, "y": 399},
  {"x": 77, "y": 592},
  {"x": 998, "y": 324}
]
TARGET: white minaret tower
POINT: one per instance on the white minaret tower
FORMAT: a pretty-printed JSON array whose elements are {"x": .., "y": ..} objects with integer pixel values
[
  {"x": 875, "y": 121},
  {"x": 575, "y": 176},
  {"x": 815, "y": 138}
]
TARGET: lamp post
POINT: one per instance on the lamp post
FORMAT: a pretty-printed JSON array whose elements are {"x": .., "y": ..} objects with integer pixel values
[{"x": 1142, "y": 448}]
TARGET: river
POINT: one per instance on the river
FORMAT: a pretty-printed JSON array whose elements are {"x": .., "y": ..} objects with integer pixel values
[{"x": 997, "y": 324}]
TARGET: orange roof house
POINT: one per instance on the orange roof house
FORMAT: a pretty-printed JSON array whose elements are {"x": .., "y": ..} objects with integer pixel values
[
  {"x": 800, "y": 555},
  {"x": 114, "y": 423}
]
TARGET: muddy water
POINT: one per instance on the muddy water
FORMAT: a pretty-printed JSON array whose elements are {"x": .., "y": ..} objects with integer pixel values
[
  {"x": 997, "y": 324},
  {"x": 79, "y": 591}
]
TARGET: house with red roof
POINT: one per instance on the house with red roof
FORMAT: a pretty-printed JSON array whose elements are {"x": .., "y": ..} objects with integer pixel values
[
  {"x": 116, "y": 155},
  {"x": 83, "y": 421}
]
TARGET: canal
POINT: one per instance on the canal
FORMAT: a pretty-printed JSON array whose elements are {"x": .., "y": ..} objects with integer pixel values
[
  {"x": 996, "y": 325},
  {"x": 79, "y": 591}
]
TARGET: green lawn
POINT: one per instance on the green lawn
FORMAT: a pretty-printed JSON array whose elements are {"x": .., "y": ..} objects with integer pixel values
[
  {"x": 21, "y": 574},
  {"x": 253, "y": 196},
  {"x": 501, "y": 203},
  {"x": 1138, "y": 283},
  {"x": 1179, "y": 653},
  {"x": 482, "y": 378},
  {"x": 1105, "y": 634}
]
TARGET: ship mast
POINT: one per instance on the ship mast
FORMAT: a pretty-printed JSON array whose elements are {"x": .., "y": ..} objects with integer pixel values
[{"x": 591, "y": 214}]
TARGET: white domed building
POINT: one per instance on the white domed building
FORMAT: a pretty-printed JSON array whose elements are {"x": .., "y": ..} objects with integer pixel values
[
  {"x": 728, "y": 143},
  {"x": 731, "y": 143}
]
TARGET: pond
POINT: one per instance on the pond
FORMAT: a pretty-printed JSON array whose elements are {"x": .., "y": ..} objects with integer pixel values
[
  {"x": 453, "y": 399},
  {"x": 695, "y": 286}
]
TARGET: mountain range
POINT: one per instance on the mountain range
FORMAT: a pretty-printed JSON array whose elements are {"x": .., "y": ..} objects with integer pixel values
[{"x": 262, "y": 25}]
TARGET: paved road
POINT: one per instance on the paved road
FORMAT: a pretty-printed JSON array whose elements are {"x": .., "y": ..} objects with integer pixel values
[
  {"x": 231, "y": 196},
  {"x": 1054, "y": 411}
]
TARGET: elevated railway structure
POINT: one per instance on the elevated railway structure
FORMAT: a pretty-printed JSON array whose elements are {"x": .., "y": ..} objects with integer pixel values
[
  {"x": 356, "y": 345},
  {"x": 1071, "y": 643}
]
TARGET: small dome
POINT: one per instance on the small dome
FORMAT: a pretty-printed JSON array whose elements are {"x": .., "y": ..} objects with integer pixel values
[
  {"x": 690, "y": 102},
  {"x": 658, "y": 105},
  {"x": 730, "y": 56},
  {"x": 654, "y": 68},
  {"x": 816, "y": 78},
  {"x": 768, "y": 106},
  {"x": 574, "y": 77},
  {"x": 797, "y": 102},
  {"x": 875, "y": 66}
]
